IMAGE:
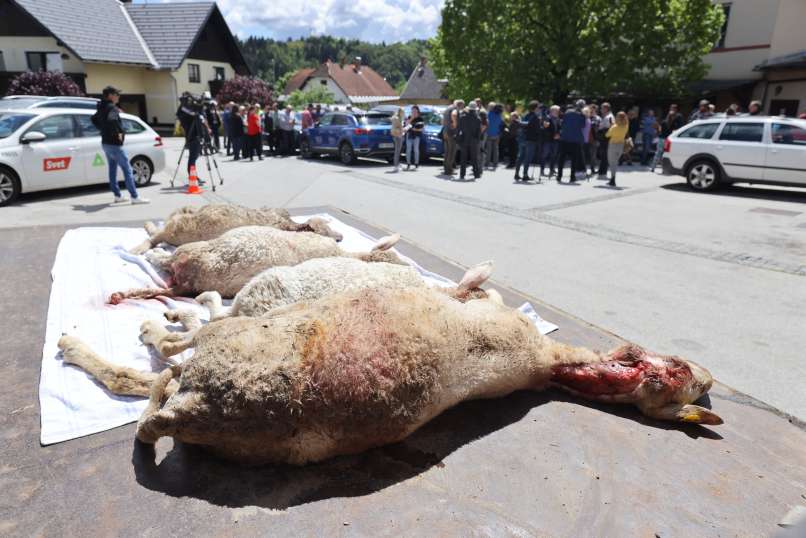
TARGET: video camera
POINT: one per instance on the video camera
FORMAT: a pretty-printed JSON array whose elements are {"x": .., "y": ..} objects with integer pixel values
[{"x": 194, "y": 103}]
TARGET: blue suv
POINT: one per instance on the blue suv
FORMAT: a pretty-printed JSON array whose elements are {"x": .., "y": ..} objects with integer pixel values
[{"x": 349, "y": 136}]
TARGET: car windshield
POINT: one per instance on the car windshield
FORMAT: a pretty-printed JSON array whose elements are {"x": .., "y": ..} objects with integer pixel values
[
  {"x": 18, "y": 103},
  {"x": 432, "y": 118},
  {"x": 375, "y": 119},
  {"x": 11, "y": 121}
]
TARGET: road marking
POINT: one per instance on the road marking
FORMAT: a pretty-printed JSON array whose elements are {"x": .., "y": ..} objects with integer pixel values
[{"x": 601, "y": 231}]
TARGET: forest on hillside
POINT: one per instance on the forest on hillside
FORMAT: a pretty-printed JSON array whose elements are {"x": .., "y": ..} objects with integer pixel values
[{"x": 275, "y": 60}]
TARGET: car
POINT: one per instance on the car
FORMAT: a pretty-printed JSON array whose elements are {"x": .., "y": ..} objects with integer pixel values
[
  {"x": 52, "y": 148},
  {"x": 745, "y": 149},
  {"x": 40, "y": 101},
  {"x": 431, "y": 144},
  {"x": 349, "y": 136}
]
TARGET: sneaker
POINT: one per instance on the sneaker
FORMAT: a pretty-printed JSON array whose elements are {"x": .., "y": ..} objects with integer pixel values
[
  {"x": 120, "y": 200},
  {"x": 517, "y": 177},
  {"x": 140, "y": 201}
]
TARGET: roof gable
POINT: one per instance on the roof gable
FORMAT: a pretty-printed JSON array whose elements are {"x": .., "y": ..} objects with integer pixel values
[
  {"x": 96, "y": 30},
  {"x": 423, "y": 84},
  {"x": 298, "y": 80}
]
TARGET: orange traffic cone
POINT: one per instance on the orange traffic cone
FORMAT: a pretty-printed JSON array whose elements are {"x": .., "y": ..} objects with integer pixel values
[{"x": 193, "y": 182}]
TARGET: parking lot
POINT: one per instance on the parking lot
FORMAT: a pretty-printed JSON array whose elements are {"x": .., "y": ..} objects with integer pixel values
[{"x": 718, "y": 278}]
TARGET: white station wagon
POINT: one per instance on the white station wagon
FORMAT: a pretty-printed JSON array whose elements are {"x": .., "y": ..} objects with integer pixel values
[
  {"x": 744, "y": 149},
  {"x": 52, "y": 148}
]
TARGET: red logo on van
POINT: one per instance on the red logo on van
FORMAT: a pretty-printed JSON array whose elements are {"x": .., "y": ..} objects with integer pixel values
[{"x": 58, "y": 163}]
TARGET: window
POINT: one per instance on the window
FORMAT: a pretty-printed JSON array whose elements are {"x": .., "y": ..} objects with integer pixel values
[
  {"x": 743, "y": 132},
  {"x": 132, "y": 127},
  {"x": 326, "y": 120},
  {"x": 194, "y": 73},
  {"x": 702, "y": 131},
  {"x": 220, "y": 74},
  {"x": 723, "y": 32},
  {"x": 11, "y": 121},
  {"x": 44, "y": 61},
  {"x": 86, "y": 126},
  {"x": 788, "y": 134},
  {"x": 340, "y": 119},
  {"x": 56, "y": 127},
  {"x": 2, "y": 62}
]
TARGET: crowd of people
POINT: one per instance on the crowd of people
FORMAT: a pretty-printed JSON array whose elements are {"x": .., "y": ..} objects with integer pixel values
[{"x": 593, "y": 138}]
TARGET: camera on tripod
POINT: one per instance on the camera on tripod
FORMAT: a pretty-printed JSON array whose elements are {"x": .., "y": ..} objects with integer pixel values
[{"x": 194, "y": 103}]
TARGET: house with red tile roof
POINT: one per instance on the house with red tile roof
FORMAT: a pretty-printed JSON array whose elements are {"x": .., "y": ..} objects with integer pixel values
[{"x": 349, "y": 83}]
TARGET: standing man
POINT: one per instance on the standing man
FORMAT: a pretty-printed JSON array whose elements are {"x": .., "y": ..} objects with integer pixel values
[
  {"x": 495, "y": 124},
  {"x": 572, "y": 138},
  {"x": 107, "y": 120},
  {"x": 287, "y": 130},
  {"x": 605, "y": 124},
  {"x": 649, "y": 130},
  {"x": 468, "y": 137},
  {"x": 307, "y": 117},
  {"x": 672, "y": 122},
  {"x": 214, "y": 122},
  {"x": 529, "y": 134},
  {"x": 449, "y": 128},
  {"x": 225, "y": 120},
  {"x": 237, "y": 133},
  {"x": 549, "y": 140}
]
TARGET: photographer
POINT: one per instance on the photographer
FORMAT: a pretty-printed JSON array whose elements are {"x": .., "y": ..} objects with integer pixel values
[{"x": 189, "y": 115}]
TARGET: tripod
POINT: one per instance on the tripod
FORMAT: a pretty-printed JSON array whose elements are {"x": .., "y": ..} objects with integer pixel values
[{"x": 205, "y": 150}]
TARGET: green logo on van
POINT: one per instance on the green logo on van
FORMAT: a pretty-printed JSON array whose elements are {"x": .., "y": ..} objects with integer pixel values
[{"x": 99, "y": 161}]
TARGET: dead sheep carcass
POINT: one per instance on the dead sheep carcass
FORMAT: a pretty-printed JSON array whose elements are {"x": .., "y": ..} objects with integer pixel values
[
  {"x": 320, "y": 277},
  {"x": 190, "y": 224},
  {"x": 358, "y": 370},
  {"x": 225, "y": 264}
]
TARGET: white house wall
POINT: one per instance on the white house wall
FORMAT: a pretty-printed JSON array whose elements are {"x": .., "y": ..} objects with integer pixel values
[
  {"x": 338, "y": 96},
  {"x": 15, "y": 47}
]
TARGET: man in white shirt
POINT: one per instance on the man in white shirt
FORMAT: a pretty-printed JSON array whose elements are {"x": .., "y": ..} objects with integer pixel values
[{"x": 287, "y": 130}]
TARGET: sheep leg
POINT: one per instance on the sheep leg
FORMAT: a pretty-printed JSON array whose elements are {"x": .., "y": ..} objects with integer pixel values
[
  {"x": 141, "y": 293},
  {"x": 151, "y": 425},
  {"x": 188, "y": 318},
  {"x": 118, "y": 379},
  {"x": 212, "y": 301},
  {"x": 165, "y": 342},
  {"x": 151, "y": 228}
]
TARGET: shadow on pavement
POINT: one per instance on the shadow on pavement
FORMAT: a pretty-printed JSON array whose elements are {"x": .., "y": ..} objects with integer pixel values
[
  {"x": 74, "y": 192},
  {"x": 761, "y": 193},
  {"x": 189, "y": 471}
]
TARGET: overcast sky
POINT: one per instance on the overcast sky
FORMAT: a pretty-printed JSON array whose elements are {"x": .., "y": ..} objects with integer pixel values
[{"x": 370, "y": 20}]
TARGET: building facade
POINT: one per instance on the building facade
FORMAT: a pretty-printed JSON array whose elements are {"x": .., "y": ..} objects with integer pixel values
[
  {"x": 152, "y": 52},
  {"x": 761, "y": 55}
]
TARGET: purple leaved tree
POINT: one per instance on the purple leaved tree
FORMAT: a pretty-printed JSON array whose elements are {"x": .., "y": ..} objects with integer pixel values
[
  {"x": 43, "y": 83},
  {"x": 245, "y": 90}
]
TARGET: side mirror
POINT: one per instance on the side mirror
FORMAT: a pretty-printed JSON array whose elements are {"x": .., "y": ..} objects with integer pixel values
[{"x": 32, "y": 136}]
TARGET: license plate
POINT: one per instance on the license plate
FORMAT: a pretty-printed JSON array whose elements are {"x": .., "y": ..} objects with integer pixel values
[{"x": 386, "y": 145}]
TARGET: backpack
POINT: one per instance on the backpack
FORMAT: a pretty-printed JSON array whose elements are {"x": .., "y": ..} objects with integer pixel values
[{"x": 96, "y": 119}]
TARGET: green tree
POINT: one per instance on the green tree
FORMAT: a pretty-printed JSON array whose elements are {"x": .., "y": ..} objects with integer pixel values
[
  {"x": 299, "y": 99},
  {"x": 521, "y": 49}
]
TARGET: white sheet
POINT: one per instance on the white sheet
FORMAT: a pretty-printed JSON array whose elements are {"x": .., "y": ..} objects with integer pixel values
[{"x": 91, "y": 264}]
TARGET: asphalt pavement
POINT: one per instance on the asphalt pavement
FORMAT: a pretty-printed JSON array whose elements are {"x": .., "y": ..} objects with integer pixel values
[{"x": 718, "y": 278}]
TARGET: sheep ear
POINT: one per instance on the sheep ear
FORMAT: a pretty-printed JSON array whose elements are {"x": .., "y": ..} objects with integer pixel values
[
  {"x": 476, "y": 276},
  {"x": 385, "y": 243},
  {"x": 495, "y": 297}
]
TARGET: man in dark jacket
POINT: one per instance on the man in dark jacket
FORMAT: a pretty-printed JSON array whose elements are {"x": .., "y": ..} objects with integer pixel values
[
  {"x": 571, "y": 141},
  {"x": 468, "y": 138},
  {"x": 107, "y": 120}
]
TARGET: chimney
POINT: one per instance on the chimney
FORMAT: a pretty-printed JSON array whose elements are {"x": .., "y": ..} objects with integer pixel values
[{"x": 357, "y": 64}]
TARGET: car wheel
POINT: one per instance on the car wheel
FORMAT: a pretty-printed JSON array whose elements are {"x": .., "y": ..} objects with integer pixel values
[
  {"x": 142, "y": 171},
  {"x": 9, "y": 186},
  {"x": 305, "y": 149},
  {"x": 703, "y": 175},
  {"x": 346, "y": 153}
]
